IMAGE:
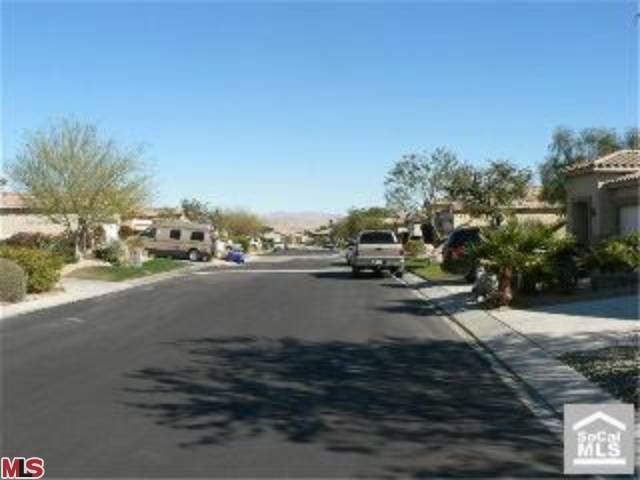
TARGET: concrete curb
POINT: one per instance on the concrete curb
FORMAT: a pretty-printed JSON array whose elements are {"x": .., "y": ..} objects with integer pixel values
[{"x": 553, "y": 381}]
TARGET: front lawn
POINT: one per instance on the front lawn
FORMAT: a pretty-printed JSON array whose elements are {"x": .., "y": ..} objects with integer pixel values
[
  {"x": 431, "y": 271},
  {"x": 615, "y": 369},
  {"x": 119, "y": 273}
]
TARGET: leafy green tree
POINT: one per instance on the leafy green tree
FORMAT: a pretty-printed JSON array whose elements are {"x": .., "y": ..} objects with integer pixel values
[
  {"x": 416, "y": 181},
  {"x": 489, "y": 191},
  {"x": 239, "y": 223},
  {"x": 632, "y": 139},
  {"x": 568, "y": 147},
  {"x": 197, "y": 211},
  {"x": 358, "y": 219},
  {"x": 78, "y": 178}
]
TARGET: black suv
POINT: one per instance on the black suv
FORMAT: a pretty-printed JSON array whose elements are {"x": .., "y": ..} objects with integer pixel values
[{"x": 454, "y": 258}]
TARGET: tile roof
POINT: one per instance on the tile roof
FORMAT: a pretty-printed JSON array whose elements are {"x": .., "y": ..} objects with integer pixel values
[
  {"x": 624, "y": 180},
  {"x": 531, "y": 201},
  {"x": 620, "y": 161}
]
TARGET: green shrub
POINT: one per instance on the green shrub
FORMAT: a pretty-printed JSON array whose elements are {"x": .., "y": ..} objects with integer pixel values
[
  {"x": 560, "y": 265},
  {"x": 615, "y": 254},
  {"x": 62, "y": 245},
  {"x": 13, "y": 281},
  {"x": 244, "y": 241},
  {"x": 30, "y": 240},
  {"x": 530, "y": 251},
  {"x": 42, "y": 267},
  {"x": 113, "y": 252},
  {"x": 414, "y": 248}
]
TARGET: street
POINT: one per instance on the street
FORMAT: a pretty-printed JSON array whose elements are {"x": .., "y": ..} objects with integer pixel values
[{"x": 284, "y": 368}]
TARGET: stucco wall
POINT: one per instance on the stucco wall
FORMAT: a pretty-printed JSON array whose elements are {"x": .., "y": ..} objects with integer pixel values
[
  {"x": 11, "y": 223},
  {"x": 604, "y": 216},
  {"x": 548, "y": 218}
]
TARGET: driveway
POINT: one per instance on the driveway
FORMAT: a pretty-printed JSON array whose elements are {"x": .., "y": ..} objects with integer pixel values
[{"x": 283, "y": 369}]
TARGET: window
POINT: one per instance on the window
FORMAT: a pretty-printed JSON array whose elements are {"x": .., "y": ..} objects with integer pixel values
[
  {"x": 174, "y": 234},
  {"x": 149, "y": 233},
  {"x": 377, "y": 237},
  {"x": 197, "y": 236},
  {"x": 463, "y": 237}
]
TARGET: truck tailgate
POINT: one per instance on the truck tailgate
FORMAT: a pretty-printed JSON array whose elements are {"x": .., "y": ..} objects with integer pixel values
[{"x": 380, "y": 250}]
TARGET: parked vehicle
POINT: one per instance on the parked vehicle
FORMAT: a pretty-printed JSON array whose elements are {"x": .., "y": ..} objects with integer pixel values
[
  {"x": 236, "y": 256},
  {"x": 455, "y": 249},
  {"x": 378, "y": 250},
  {"x": 179, "y": 239}
]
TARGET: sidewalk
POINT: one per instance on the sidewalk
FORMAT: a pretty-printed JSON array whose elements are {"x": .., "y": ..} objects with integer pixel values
[
  {"x": 575, "y": 326},
  {"x": 70, "y": 290},
  {"x": 528, "y": 342},
  {"x": 532, "y": 361}
]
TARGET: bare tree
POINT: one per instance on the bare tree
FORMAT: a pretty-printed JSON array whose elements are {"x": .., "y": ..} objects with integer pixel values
[{"x": 71, "y": 174}]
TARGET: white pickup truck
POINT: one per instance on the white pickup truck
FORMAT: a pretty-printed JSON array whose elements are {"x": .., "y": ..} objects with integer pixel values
[{"x": 378, "y": 250}]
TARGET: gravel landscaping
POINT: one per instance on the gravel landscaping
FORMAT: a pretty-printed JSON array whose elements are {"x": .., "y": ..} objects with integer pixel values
[{"x": 615, "y": 369}]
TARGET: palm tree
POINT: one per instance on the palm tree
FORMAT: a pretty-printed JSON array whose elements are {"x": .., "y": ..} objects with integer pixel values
[{"x": 510, "y": 249}]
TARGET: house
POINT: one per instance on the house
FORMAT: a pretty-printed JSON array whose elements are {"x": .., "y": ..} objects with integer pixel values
[
  {"x": 603, "y": 196},
  {"x": 16, "y": 216},
  {"x": 450, "y": 215},
  {"x": 273, "y": 237}
]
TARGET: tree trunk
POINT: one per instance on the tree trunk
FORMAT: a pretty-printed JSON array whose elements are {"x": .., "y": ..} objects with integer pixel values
[
  {"x": 81, "y": 237},
  {"x": 505, "y": 291}
]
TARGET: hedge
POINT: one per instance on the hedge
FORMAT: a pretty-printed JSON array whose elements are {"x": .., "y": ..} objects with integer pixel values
[
  {"x": 42, "y": 267},
  {"x": 13, "y": 281},
  {"x": 62, "y": 245}
]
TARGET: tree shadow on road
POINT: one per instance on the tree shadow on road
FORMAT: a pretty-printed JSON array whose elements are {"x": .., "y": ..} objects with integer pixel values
[{"x": 427, "y": 406}]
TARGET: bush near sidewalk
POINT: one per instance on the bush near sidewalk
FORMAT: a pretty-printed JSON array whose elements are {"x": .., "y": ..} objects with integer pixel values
[
  {"x": 42, "y": 267},
  {"x": 62, "y": 245},
  {"x": 616, "y": 254},
  {"x": 414, "y": 248},
  {"x": 528, "y": 251},
  {"x": 13, "y": 281},
  {"x": 114, "y": 252}
]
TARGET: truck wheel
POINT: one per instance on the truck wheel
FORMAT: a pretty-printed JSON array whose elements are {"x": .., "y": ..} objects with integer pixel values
[
  {"x": 399, "y": 273},
  {"x": 355, "y": 271},
  {"x": 194, "y": 255}
]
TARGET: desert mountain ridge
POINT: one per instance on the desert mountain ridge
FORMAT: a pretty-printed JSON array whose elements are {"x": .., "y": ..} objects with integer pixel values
[{"x": 290, "y": 222}]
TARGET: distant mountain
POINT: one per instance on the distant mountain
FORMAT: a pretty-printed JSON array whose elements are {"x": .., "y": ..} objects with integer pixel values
[{"x": 290, "y": 222}]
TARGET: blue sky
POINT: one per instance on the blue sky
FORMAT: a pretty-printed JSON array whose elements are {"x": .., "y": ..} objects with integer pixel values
[{"x": 304, "y": 106}]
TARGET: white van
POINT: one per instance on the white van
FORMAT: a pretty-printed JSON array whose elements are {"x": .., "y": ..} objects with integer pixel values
[{"x": 179, "y": 239}]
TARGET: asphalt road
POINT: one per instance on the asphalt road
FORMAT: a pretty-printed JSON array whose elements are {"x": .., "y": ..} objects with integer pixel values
[{"x": 289, "y": 368}]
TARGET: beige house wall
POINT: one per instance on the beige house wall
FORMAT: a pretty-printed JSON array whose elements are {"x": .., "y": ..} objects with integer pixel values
[
  {"x": 12, "y": 223},
  {"x": 604, "y": 202},
  {"x": 464, "y": 219}
]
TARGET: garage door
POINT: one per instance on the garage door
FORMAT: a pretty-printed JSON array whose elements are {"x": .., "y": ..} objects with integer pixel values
[{"x": 629, "y": 219}]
